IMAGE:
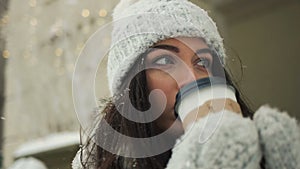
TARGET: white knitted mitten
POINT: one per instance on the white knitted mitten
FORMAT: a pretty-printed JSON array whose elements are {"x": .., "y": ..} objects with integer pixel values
[
  {"x": 234, "y": 144},
  {"x": 76, "y": 161},
  {"x": 279, "y": 137}
]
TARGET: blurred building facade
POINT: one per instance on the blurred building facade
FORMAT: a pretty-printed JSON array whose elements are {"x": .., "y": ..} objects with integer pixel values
[
  {"x": 264, "y": 34},
  {"x": 44, "y": 38},
  {"x": 3, "y": 10}
]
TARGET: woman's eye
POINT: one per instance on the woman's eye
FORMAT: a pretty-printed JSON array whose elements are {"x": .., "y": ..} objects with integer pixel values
[
  {"x": 203, "y": 62},
  {"x": 163, "y": 60}
]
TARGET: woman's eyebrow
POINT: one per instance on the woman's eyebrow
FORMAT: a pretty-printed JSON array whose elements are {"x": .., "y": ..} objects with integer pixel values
[
  {"x": 204, "y": 50},
  {"x": 165, "y": 47}
]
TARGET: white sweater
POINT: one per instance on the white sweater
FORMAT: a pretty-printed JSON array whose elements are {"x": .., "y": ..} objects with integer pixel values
[{"x": 228, "y": 141}]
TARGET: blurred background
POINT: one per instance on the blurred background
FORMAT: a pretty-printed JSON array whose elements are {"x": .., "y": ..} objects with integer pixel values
[{"x": 41, "y": 40}]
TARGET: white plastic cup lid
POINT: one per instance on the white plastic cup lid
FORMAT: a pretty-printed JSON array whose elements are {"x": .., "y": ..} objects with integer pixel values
[{"x": 198, "y": 92}]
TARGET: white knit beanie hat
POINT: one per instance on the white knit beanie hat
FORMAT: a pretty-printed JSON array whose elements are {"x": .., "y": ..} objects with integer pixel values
[{"x": 140, "y": 24}]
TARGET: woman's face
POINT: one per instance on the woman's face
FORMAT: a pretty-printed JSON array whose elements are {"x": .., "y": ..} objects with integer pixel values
[{"x": 171, "y": 64}]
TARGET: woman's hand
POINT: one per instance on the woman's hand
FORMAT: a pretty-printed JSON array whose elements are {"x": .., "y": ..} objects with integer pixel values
[{"x": 211, "y": 106}]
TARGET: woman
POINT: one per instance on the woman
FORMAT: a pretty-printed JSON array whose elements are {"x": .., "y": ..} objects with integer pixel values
[{"x": 165, "y": 45}]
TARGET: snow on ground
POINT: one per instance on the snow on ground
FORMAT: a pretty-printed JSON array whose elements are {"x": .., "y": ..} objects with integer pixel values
[{"x": 48, "y": 143}]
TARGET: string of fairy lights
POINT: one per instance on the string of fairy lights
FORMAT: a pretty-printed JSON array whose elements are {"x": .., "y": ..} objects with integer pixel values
[
  {"x": 60, "y": 49},
  {"x": 92, "y": 19},
  {"x": 3, "y": 22}
]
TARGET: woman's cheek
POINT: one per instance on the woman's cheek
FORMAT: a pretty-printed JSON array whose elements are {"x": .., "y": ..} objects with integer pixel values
[{"x": 157, "y": 79}]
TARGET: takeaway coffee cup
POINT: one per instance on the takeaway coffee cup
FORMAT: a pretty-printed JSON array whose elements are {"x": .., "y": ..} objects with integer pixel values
[{"x": 196, "y": 93}]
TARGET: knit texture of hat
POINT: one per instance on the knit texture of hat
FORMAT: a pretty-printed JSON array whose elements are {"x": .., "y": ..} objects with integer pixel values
[{"x": 139, "y": 25}]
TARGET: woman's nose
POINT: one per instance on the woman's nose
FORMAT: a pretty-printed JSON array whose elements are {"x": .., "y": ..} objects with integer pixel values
[
  {"x": 186, "y": 80},
  {"x": 186, "y": 76}
]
